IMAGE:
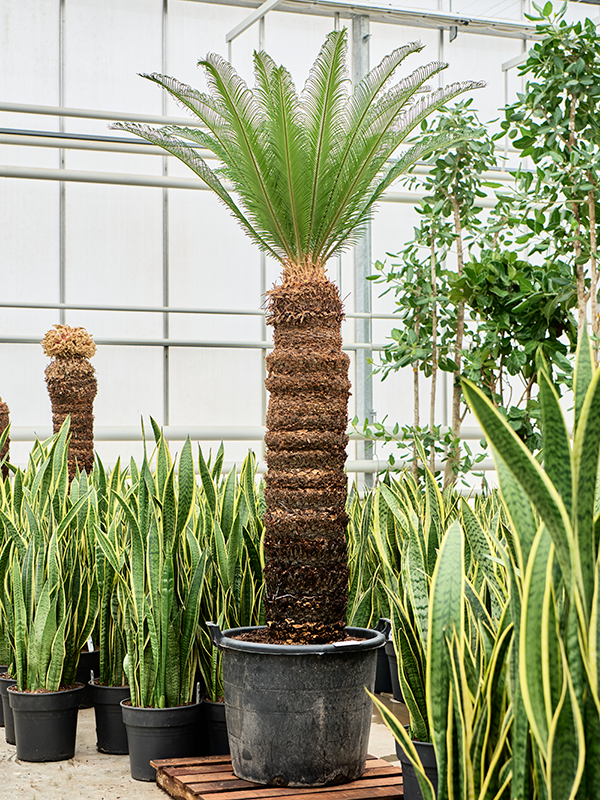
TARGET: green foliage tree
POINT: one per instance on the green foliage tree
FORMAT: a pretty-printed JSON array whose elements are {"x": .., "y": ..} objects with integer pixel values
[
  {"x": 308, "y": 170},
  {"x": 556, "y": 123}
]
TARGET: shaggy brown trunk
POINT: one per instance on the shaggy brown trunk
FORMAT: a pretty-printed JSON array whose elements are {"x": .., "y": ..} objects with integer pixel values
[
  {"x": 4, "y": 421},
  {"x": 306, "y": 572},
  {"x": 72, "y": 387}
]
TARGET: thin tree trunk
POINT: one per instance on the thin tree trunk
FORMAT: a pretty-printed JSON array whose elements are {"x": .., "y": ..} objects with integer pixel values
[
  {"x": 434, "y": 355},
  {"x": 454, "y": 452},
  {"x": 5, "y": 452},
  {"x": 416, "y": 412},
  {"x": 306, "y": 570},
  {"x": 593, "y": 270}
]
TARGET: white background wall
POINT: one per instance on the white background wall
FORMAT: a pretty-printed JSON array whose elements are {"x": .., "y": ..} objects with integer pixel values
[{"x": 114, "y": 234}]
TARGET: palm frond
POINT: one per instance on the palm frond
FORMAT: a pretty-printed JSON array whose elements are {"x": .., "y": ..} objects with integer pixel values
[
  {"x": 306, "y": 170},
  {"x": 190, "y": 157},
  {"x": 286, "y": 140},
  {"x": 244, "y": 114},
  {"x": 323, "y": 102},
  {"x": 200, "y": 104}
]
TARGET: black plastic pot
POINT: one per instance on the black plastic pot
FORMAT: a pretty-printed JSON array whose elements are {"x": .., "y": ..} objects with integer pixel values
[
  {"x": 89, "y": 661},
  {"x": 9, "y": 725},
  {"x": 45, "y": 724},
  {"x": 393, "y": 666},
  {"x": 383, "y": 678},
  {"x": 298, "y": 715},
  {"x": 111, "y": 734},
  {"x": 426, "y": 752},
  {"x": 3, "y": 669},
  {"x": 160, "y": 733},
  {"x": 214, "y": 724}
]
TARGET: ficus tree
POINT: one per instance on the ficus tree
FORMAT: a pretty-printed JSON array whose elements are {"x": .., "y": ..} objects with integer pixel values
[
  {"x": 307, "y": 170},
  {"x": 555, "y": 122}
]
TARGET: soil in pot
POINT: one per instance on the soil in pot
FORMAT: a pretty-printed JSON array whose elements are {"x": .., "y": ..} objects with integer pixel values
[
  {"x": 412, "y": 790},
  {"x": 111, "y": 734},
  {"x": 214, "y": 724},
  {"x": 9, "y": 726},
  {"x": 160, "y": 733},
  {"x": 393, "y": 666},
  {"x": 45, "y": 723}
]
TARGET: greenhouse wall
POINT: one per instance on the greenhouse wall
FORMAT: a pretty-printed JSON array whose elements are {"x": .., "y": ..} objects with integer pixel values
[{"x": 86, "y": 243}]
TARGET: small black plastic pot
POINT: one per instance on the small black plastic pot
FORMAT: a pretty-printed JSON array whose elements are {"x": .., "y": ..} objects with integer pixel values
[
  {"x": 383, "y": 677},
  {"x": 45, "y": 723},
  {"x": 9, "y": 725},
  {"x": 393, "y": 665},
  {"x": 214, "y": 724},
  {"x": 298, "y": 715},
  {"x": 426, "y": 752},
  {"x": 3, "y": 669},
  {"x": 160, "y": 733},
  {"x": 111, "y": 734},
  {"x": 89, "y": 661}
]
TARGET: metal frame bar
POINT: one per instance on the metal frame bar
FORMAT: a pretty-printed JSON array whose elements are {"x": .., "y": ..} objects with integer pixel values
[
  {"x": 206, "y": 343},
  {"x": 397, "y": 15}
]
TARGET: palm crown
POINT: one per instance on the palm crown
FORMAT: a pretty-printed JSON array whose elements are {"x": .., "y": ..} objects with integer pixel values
[{"x": 308, "y": 169}]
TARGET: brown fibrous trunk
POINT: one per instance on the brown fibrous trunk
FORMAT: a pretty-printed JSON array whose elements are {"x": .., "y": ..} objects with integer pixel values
[
  {"x": 306, "y": 571},
  {"x": 72, "y": 387},
  {"x": 4, "y": 452}
]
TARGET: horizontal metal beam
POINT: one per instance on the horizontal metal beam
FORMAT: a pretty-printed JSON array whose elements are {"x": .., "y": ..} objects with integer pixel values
[
  {"x": 239, "y": 433},
  {"x": 395, "y": 15},
  {"x": 123, "y": 179},
  {"x": 199, "y": 343},
  {"x": 170, "y": 310},
  {"x": 93, "y": 113}
]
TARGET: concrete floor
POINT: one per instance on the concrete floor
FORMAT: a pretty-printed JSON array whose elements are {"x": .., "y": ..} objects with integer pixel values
[{"x": 93, "y": 776}]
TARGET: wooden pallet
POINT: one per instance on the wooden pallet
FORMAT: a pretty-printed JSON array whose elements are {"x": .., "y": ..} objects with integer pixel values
[{"x": 212, "y": 778}]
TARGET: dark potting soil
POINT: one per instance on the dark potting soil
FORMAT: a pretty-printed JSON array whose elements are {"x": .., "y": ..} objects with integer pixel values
[
  {"x": 265, "y": 636},
  {"x": 47, "y": 691}
]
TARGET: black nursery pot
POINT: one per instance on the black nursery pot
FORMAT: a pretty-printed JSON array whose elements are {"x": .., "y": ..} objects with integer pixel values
[
  {"x": 393, "y": 667},
  {"x": 89, "y": 661},
  {"x": 214, "y": 723},
  {"x": 298, "y": 715},
  {"x": 160, "y": 733},
  {"x": 111, "y": 734},
  {"x": 45, "y": 724},
  {"x": 3, "y": 669},
  {"x": 426, "y": 752},
  {"x": 9, "y": 725}
]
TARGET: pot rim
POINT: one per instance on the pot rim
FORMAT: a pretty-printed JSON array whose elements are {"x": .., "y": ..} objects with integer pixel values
[
  {"x": 75, "y": 688},
  {"x": 369, "y": 640},
  {"x": 127, "y": 704}
]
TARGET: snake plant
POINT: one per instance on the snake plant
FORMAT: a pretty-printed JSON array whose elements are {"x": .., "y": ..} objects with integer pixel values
[
  {"x": 48, "y": 586},
  {"x": 554, "y": 570},
  {"x": 160, "y": 574}
]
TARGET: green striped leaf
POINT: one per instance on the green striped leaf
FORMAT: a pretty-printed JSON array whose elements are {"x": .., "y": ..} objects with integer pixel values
[
  {"x": 446, "y": 611},
  {"x": 536, "y": 484},
  {"x": 583, "y": 372}
]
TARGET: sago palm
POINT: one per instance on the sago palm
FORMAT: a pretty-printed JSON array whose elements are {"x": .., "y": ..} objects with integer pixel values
[{"x": 307, "y": 170}]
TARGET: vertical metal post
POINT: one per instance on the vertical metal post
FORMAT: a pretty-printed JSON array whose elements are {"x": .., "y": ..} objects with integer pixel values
[
  {"x": 363, "y": 387},
  {"x": 165, "y": 226},
  {"x": 62, "y": 220},
  {"x": 261, "y": 33}
]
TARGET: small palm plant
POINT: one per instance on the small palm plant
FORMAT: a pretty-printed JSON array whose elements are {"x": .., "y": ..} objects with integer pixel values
[{"x": 308, "y": 170}]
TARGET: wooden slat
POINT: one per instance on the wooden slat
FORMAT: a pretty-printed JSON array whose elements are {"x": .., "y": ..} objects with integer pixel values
[
  {"x": 274, "y": 791},
  {"x": 190, "y": 761},
  {"x": 212, "y": 778}
]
